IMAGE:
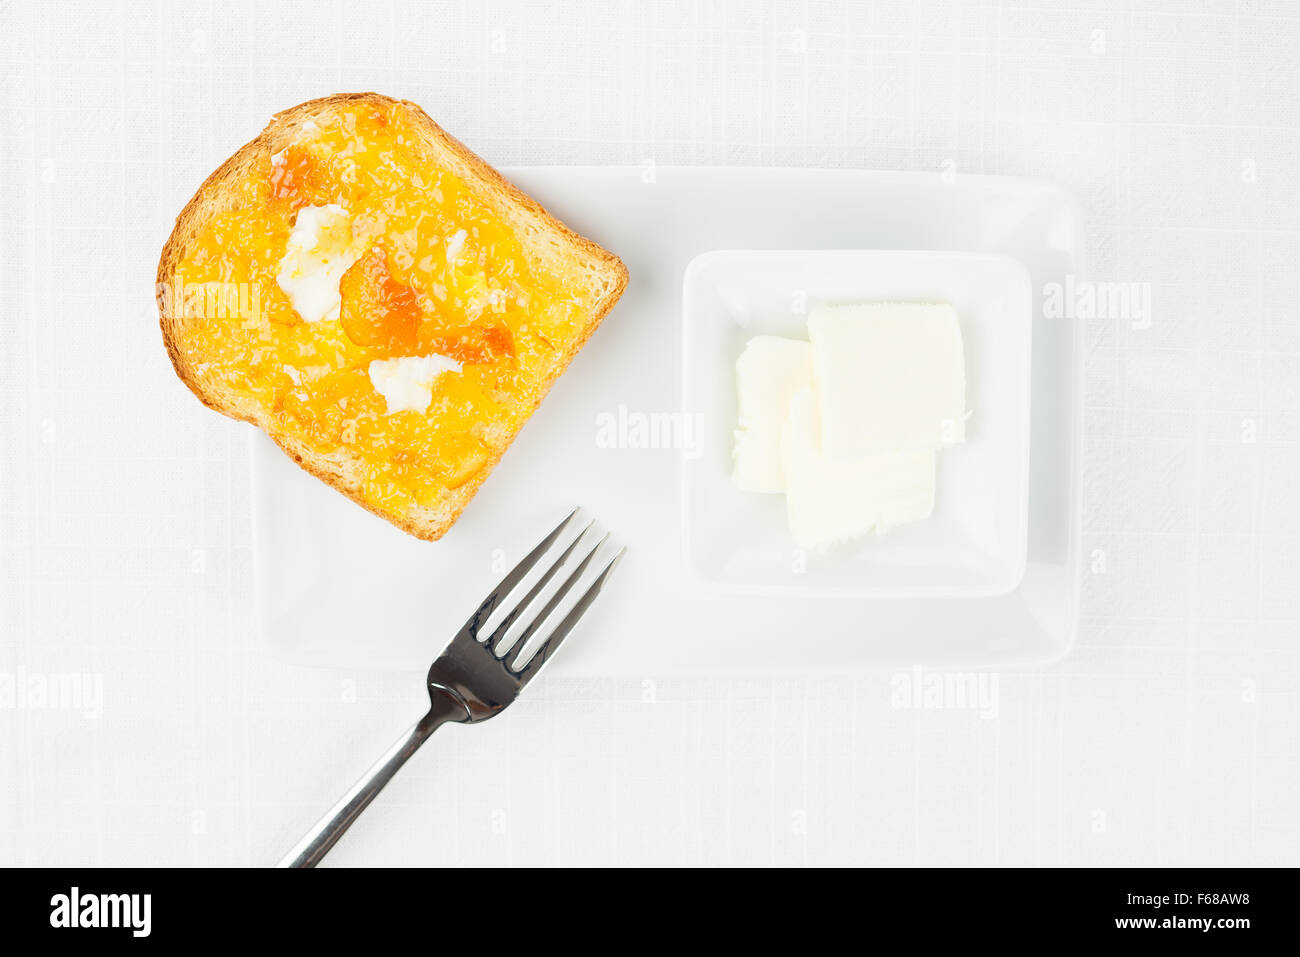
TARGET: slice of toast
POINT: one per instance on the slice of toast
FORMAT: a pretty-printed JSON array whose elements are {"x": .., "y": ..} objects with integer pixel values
[{"x": 439, "y": 257}]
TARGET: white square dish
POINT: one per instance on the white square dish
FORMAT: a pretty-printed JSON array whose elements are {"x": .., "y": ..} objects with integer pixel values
[{"x": 974, "y": 543}]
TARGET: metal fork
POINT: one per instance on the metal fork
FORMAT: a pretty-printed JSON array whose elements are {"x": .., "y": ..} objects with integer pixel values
[{"x": 476, "y": 676}]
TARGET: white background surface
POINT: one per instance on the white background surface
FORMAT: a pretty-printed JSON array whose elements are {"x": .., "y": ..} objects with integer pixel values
[{"x": 1171, "y": 734}]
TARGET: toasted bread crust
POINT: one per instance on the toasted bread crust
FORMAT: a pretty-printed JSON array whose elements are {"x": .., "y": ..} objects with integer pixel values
[{"x": 213, "y": 197}]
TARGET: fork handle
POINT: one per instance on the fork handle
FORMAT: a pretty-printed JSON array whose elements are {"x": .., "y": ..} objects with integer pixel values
[{"x": 317, "y": 842}]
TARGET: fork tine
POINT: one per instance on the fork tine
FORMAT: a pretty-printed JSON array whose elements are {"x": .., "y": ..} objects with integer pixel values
[
  {"x": 517, "y": 574},
  {"x": 499, "y": 635},
  {"x": 522, "y": 643},
  {"x": 571, "y": 619}
]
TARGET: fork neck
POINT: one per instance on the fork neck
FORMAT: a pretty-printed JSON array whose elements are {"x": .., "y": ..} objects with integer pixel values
[{"x": 444, "y": 706}]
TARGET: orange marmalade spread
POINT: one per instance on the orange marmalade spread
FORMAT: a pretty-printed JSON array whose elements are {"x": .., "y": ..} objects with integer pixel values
[{"x": 431, "y": 270}]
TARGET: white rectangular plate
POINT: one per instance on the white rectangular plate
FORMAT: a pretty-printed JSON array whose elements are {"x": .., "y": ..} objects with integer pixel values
[{"x": 337, "y": 586}]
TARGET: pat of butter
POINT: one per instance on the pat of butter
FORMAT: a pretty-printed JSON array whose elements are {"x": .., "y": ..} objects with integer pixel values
[
  {"x": 830, "y": 501},
  {"x": 407, "y": 383},
  {"x": 455, "y": 243},
  {"x": 768, "y": 374},
  {"x": 888, "y": 376},
  {"x": 319, "y": 252}
]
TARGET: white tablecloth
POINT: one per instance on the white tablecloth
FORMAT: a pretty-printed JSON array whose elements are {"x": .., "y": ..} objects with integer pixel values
[{"x": 1171, "y": 734}]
